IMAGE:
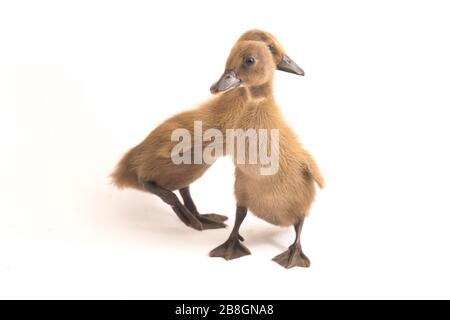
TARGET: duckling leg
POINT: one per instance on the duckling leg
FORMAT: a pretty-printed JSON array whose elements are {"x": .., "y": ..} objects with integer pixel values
[
  {"x": 232, "y": 248},
  {"x": 171, "y": 199},
  {"x": 205, "y": 218},
  {"x": 294, "y": 256}
]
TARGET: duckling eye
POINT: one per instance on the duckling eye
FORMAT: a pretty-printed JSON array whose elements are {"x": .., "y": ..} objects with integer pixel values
[
  {"x": 272, "y": 48},
  {"x": 249, "y": 61}
]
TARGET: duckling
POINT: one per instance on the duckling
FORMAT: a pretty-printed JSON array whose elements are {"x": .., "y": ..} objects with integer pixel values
[
  {"x": 285, "y": 197},
  {"x": 281, "y": 59},
  {"x": 149, "y": 167}
]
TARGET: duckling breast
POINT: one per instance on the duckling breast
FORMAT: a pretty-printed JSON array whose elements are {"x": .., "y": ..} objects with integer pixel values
[{"x": 276, "y": 199}]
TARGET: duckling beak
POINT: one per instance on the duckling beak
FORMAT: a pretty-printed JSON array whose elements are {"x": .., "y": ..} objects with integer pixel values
[
  {"x": 288, "y": 65},
  {"x": 227, "y": 81}
]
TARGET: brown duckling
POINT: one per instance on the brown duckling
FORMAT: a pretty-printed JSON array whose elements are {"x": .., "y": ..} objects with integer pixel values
[
  {"x": 282, "y": 61},
  {"x": 149, "y": 167},
  {"x": 284, "y": 197}
]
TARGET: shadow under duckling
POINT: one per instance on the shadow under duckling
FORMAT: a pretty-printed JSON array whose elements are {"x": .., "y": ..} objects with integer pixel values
[
  {"x": 149, "y": 166},
  {"x": 284, "y": 197}
]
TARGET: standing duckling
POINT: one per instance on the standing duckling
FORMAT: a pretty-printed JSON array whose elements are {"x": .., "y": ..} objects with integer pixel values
[
  {"x": 149, "y": 166},
  {"x": 283, "y": 198}
]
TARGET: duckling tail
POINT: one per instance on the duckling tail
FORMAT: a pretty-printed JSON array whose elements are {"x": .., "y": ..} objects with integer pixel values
[
  {"x": 124, "y": 175},
  {"x": 315, "y": 172}
]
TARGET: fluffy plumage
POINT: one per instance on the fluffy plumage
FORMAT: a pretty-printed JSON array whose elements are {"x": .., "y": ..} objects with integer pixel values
[
  {"x": 281, "y": 198},
  {"x": 150, "y": 160},
  {"x": 285, "y": 197}
]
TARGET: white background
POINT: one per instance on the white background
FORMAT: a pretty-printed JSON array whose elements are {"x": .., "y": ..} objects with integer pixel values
[{"x": 81, "y": 82}]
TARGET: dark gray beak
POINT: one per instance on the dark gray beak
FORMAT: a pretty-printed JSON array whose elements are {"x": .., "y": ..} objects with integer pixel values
[
  {"x": 227, "y": 81},
  {"x": 288, "y": 65}
]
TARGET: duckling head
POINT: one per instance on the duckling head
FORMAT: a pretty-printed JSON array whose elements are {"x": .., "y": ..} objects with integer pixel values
[
  {"x": 281, "y": 59},
  {"x": 249, "y": 64}
]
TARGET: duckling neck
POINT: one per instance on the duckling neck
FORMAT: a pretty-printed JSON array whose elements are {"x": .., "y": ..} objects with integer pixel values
[{"x": 263, "y": 91}]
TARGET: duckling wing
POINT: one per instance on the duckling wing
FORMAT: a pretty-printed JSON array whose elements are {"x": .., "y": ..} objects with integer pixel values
[{"x": 315, "y": 172}]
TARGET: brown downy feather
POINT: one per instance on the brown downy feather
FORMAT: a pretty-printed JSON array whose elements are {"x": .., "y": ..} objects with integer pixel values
[
  {"x": 285, "y": 197},
  {"x": 315, "y": 172},
  {"x": 150, "y": 160},
  {"x": 124, "y": 176}
]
